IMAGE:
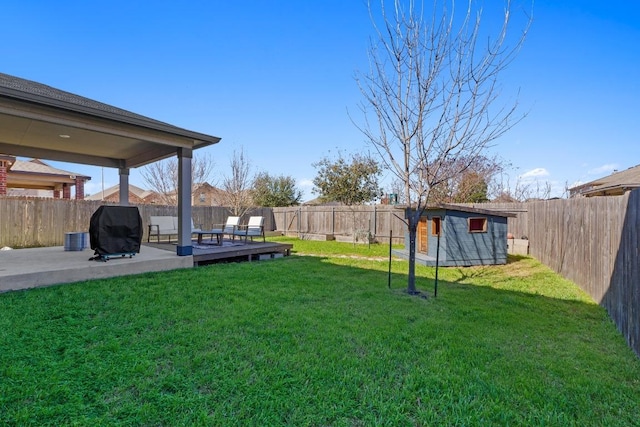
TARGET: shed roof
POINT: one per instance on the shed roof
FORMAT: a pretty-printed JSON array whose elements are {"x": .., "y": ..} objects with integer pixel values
[{"x": 469, "y": 209}]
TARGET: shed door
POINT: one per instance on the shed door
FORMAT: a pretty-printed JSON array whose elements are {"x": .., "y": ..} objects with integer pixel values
[{"x": 422, "y": 236}]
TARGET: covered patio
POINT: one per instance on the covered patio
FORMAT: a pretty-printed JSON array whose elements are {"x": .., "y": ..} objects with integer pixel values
[{"x": 43, "y": 122}]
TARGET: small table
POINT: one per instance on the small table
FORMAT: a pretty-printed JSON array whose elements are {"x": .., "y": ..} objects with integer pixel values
[{"x": 218, "y": 234}]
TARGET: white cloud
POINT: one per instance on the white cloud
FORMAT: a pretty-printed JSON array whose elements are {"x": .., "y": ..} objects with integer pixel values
[
  {"x": 305, "y": 183},
  {"x": 604, "y": 169},
  {"x": 534, "y": 174}
]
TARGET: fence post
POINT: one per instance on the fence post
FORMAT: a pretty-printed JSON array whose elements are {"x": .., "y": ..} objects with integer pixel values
[
  {"x": 333, "y": 220},
  {"x": 375, "y": 221}
]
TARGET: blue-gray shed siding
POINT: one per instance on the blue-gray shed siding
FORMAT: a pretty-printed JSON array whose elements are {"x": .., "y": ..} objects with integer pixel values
[
  {"x": 459, "y": 247},
  {"x": 465, "y": 248}
]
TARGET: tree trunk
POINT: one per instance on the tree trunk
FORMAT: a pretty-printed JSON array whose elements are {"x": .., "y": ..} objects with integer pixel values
[{"x": 412, "y": 220}]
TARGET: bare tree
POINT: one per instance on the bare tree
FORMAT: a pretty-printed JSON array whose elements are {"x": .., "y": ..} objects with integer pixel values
[
  {"x": 237, "y": 185},
  {"x": 522, "y": 191},
  {"x": 162, "y": 176},
  {"x": 433, "y": 89},
  {"x": 395, "y": 187}
]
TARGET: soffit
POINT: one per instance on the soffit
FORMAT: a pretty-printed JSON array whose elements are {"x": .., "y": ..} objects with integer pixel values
[{"x": 33, "y": 116}]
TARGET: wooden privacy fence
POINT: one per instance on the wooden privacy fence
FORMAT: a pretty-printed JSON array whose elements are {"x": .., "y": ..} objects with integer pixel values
[
  {"x": 595, "y": 243},
  {"x": 37, "y": 222},
  {"x": 375, "y": 221}
]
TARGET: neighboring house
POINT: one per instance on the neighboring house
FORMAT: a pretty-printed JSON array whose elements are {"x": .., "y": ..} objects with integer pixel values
[
  {"x": 205, "y": 194},
  {"x": 35, "y": 178},
  {"x": 615, "y": 184},
  {"x": 136, "y": 195},
  {"x": 468, "y": 236}
]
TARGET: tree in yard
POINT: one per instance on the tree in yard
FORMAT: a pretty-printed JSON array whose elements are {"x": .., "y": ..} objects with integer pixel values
[
  {"x": 237, "y": 185},
  {"x": 275, "y": 191},
  {"x": 432, "y": 90},
  {"x": 349, "y": 181},
  {"x": 162, "y": 176}
]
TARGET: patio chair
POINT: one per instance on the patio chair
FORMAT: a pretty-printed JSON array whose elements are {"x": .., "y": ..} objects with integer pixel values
[
  {"x": 195, "y": 228},
  {"x": 228, "y": 228},
  {"x": 254, "y": 228}
]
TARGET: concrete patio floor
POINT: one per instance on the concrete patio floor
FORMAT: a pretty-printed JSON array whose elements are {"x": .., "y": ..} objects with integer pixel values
[{"x": 35, "y": 267}]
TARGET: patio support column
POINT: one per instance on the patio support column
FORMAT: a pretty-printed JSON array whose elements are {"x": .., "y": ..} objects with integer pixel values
[
  {"x": 124, "y": 187},
  {"x": 185, "y": 247}
]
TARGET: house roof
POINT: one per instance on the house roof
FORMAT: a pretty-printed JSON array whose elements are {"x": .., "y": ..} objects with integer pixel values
[
  {"x": 36, "y": 174},
  {"x": 38, "y": 167},
  {"x": 318, "y": 201},
  {"x": 137, "y": 191},
  {"x": 37, "y": 120},
  {"x": 616, "y": 183}
]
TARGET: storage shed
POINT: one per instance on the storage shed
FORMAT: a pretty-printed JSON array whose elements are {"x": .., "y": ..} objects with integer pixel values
[{"x": 468, "y": 236}]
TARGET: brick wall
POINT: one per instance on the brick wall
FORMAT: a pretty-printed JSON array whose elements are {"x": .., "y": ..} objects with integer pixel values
[
  {"x": 79, "y": 189},
  {"x": 66, "y": 191}
]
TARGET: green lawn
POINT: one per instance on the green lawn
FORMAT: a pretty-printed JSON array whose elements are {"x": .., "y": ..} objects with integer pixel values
[{"x": 315, "y": 340}]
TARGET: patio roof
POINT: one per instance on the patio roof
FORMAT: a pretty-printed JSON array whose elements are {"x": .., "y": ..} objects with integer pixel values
[{"x": 40, "y": 121}]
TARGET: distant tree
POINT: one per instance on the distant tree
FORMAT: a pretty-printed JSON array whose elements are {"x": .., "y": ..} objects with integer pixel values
[
  {"x": 523, "y": 191},
  {"x": 472, "y": 188},
  {"x": 162, "y": 176},
  {"x": 395, "y": 187},
  {"x": 471, "y": 185},
  {"x": 237, "y": 185},
  {"x": 351, "y": 181},
  {"x": 275, "y": 190}
]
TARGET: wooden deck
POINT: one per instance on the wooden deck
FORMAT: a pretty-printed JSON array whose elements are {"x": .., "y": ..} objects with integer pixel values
[{"x": 209, "y": 252}]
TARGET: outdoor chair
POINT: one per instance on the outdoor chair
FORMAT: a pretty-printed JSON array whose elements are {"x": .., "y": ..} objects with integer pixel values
[
  {"x": 194, "y": 228},
  {"x": 229, "y": 228},
  {"x": 167, "y": 226},
  {"x": 254, "y": 228}
]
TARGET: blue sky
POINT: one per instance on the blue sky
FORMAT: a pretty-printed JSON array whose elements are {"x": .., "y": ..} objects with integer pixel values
[{"x": 277, "y": 78}]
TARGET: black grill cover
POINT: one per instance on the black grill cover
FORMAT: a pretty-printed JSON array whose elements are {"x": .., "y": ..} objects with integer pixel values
[{"x": 115, "y": 230}]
